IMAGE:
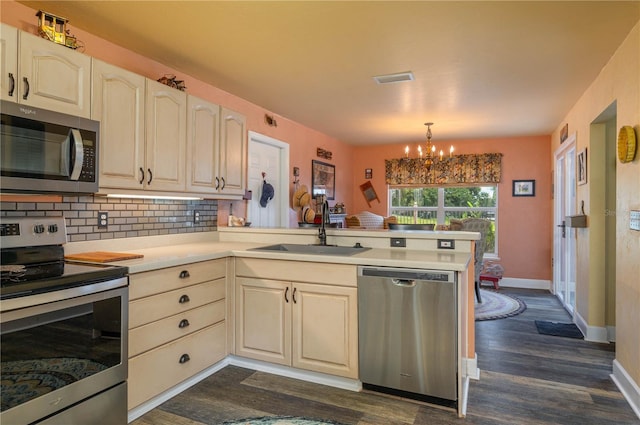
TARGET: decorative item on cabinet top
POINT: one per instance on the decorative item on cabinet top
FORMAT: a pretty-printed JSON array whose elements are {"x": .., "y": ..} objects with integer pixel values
[
  {"x": 171, "y": 81},
  {"x": 54, "y": 28}
]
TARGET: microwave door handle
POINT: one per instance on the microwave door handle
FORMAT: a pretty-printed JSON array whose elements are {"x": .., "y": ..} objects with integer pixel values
[{"x": 78, "y": 150}]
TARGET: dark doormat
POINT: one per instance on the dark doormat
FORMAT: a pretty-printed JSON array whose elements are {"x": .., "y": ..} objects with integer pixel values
[{"x": 567, "y": 330}]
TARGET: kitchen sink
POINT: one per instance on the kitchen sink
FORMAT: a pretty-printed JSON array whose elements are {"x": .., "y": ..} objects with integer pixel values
[{"x": 312, "y": 249}]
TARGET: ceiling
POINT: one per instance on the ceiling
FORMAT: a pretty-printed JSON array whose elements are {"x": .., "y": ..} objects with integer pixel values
[{"x": 482, "y": 68}]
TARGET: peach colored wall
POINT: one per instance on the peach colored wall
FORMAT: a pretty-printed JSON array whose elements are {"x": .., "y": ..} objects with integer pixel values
[
  {"x": 524, "y": 232},
  {"x": 302, "y": 140}
]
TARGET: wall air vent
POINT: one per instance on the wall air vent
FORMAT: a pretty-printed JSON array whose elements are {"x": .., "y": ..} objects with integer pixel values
[{"x": 394, "y": 78}]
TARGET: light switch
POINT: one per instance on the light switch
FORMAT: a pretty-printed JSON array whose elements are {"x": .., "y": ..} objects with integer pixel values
[{"x": 634, "y": 220}]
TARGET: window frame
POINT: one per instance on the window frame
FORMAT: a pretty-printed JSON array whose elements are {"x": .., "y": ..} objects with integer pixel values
[{"x": 441, "y": 210}]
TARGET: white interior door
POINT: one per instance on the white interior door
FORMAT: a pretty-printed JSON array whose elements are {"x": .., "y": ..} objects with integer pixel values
[
  {"x": 271, "y": 157},
  {"x": 564, "y": 238}
]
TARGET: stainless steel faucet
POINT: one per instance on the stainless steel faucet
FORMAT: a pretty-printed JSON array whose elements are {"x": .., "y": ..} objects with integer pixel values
[{"x": 322, "y": 232}]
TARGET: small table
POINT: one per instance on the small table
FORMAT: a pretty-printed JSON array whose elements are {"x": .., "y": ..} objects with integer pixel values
[{"x": 489, "y": 278}]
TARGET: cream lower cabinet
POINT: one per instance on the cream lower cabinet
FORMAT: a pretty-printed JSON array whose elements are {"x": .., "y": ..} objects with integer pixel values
[
  {"x": 310, "y": 326},
  {"x": 177, "y": 326}
]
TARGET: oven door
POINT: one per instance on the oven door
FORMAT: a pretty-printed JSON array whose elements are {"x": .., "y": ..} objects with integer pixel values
[{"x": 61, "y": 353}]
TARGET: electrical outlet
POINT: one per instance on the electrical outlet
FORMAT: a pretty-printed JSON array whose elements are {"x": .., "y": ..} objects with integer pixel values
[
  {"x": 398, "y": 242},
  {"x": 446, "y": 244},
  {"x": 103, "y": 219},
  {"x": 196, "y": 216}
]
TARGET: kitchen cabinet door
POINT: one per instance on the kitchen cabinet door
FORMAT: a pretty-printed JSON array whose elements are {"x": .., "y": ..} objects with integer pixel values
[
  {"x": 165, "y": 145},
  {"x": 263, "y": 320},
  {"x": 233, "y": 153},
  {"x": 118, "y": 103},
  {"x": 53, "y": 77},
  {"x": 203, "y": 145},
  {"x": 325, "y": 329},
  {"x": 8, "y": 62}
]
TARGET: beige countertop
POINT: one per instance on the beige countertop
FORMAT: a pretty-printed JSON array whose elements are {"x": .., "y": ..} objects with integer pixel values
[{"x": 179, "y": 250}]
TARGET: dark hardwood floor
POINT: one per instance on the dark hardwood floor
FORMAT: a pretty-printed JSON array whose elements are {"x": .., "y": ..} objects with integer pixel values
[{"x": 526, "y": 378}]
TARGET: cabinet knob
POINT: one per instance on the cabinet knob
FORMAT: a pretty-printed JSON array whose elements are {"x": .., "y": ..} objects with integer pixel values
[
  {"x": 184, "y": 358},
  {"x": 184, "y": 299},
  {"x": 183, "y": 323},
  {"x": 184, "y": 274}
]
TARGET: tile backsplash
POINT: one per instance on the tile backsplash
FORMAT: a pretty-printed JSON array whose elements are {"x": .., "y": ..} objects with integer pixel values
[{"x": 127, "y": 217}]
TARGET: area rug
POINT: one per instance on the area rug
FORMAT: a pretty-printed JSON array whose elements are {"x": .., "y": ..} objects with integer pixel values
[
  {"x": 280, "y": 420},
  {"x": 567, "y": 330},
  {"x": 498, "y": 306},
  {"x": 27, "y": 379}
]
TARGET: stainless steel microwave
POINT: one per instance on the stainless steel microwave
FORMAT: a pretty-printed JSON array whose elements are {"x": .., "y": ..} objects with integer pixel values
[{"x": 47, "y": 152}]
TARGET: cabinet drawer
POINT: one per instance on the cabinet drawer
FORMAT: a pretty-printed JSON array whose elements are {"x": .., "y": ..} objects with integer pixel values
[
  {"x": 150, "y": 309},
  {"x": 298, "y": 271},
  {"x": 158, "y": 370},
  {"x": 154, "y": 334},
  {"x": 162, "y": 280}
]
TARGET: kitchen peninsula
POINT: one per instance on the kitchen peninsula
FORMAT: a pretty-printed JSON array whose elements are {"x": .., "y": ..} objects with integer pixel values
[{"x": 223, "y": 285}]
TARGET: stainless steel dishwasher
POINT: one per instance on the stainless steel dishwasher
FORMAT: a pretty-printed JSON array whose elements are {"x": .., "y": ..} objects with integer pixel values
[{"x": 408, "y": 333}]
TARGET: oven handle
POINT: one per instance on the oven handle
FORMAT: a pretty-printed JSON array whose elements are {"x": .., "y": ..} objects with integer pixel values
[{"x": 77, "y": 153}]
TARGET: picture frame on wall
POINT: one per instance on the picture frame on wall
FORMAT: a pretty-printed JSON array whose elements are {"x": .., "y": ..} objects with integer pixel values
[
  {"x": 581, "y": 167},
  {"x": 323, "y": 179},
  {"x": 524, "y": 188}
]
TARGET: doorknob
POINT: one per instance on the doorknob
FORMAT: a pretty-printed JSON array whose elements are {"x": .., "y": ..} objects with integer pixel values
[{"x": 564, "y": 228}]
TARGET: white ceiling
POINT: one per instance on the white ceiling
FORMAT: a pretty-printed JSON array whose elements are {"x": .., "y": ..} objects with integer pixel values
[{"x": 482, "y": 68}]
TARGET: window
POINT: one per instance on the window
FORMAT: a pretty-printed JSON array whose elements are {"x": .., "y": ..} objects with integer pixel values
[{"x": 438, "y": 205}]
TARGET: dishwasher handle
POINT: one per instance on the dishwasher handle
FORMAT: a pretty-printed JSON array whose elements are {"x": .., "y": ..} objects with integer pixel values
[{"x": 405, "y": 283}]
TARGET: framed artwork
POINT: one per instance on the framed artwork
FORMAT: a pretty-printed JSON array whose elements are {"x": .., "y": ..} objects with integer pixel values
[
  {"x": 323, "y": 179},
  {"x": 524, "y": 188},
  {"x": 581, "y": 169}
]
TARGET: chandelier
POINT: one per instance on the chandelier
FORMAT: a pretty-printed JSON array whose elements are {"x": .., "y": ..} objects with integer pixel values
[{"x": 430, "y": 148}]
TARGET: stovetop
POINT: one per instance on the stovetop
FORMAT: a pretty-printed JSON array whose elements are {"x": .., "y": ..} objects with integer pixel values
[{"x": 33, "y": 259}]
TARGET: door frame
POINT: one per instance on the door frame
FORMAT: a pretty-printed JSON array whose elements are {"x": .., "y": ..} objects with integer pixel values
[
  {"x": 567, "y": 209},
  {"x": 282, "y": 184}
]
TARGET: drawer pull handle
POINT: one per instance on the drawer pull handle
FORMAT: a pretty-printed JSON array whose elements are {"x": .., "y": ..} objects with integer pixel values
[
  {"x": 184, "y": 299},
  {"x": 183, "y": 323},
  {"x": 184, "y": 274},
  {"x": 286, "y": 291},
  {"x": 293, "y": 296},
  {"x": 184, "y": 358}
]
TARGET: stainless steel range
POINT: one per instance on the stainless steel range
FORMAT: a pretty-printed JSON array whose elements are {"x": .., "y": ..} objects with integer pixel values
[{"x": 63, "y": 330}]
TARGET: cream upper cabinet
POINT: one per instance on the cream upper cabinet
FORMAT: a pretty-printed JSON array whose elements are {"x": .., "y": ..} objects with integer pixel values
[
  {"x": 9, "y": 62},
  {"x": 52, "y": 76},
  {"x": 233, "y": 153},
  {"x": 203, "y": 151},
  {"x": 308, "y": 326},
  {"x": 165, "y": 138},
  {"x": 118, "y": 98}
]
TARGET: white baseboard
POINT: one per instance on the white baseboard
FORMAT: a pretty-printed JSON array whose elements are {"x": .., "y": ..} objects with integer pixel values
[
  {"x": 470, "y": 367},
  {"x": 627, "y": 387},
  {"x": 512, "y": 282},
  {"x": 303, "y": 375},
  {"x": 591, "y": 333}
]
